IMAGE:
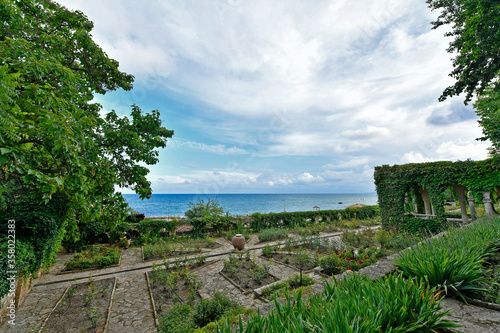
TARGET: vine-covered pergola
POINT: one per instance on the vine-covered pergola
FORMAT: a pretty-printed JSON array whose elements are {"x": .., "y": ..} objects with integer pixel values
[{"x": 422, "y": 187}]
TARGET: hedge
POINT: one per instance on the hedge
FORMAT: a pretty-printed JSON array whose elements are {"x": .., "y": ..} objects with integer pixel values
[{"x": 289, "y": 220}]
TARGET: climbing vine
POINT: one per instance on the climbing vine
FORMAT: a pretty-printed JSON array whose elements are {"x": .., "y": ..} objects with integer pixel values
[{"x": 396, "y": 183}]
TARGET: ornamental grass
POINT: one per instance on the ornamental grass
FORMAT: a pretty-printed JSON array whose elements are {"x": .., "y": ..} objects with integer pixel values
[
  {"x": 455, "y": 261},
  {"x": 356, "y": 304}
]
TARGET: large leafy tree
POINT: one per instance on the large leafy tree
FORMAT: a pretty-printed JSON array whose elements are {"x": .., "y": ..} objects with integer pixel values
[
  {"x": 52, "y": 137},
  {"x": 475, "y": 26},
  {"x": 488, "y": 109}
]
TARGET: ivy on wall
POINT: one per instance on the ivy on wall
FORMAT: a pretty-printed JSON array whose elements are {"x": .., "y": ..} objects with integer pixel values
[{"x": 395, "y": 183}]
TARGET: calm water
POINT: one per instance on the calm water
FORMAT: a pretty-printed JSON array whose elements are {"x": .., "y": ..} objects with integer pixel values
[{"x": 240, "y": 204}]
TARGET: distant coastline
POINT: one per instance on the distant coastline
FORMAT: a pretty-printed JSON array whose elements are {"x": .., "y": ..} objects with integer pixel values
[{"x": 241, "y": 204}]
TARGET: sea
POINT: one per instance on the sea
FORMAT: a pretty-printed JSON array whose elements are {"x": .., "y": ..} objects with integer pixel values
[{"x": 243, "y": 204}]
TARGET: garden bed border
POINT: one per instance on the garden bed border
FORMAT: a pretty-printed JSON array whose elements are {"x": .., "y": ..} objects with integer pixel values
[
  {"x": 155, "y": 313},
  {"x": 245, "y": 292},
  {"x": 106, "y": 325}
]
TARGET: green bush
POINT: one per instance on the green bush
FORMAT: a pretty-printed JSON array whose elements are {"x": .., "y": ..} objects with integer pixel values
[
  {"x": 94, "y": 256},
  {"x": 280, "y": 289},
  {"x": 356, "y": 304},
  {"x": 158, "y": 250},
  {"x": 289, "y": 220},
  {"x": 272, "y": 234},
  {"x": 417, "y": 225},
  {"x": 177, "y": 319},
  {"x": 39, "y": 231},
  {"x": 454, "y": 262},
  {"x": 397, "y": 240},
  {"x": 210, "y": 310},
  {"x": 364, "y": 238}
]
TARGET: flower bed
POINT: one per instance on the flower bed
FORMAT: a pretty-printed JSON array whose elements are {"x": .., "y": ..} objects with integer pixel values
[
  {"x": 246, "y": 273},
  {"x": 94, "y": 257},
  {"x": 84, "y": 307}
]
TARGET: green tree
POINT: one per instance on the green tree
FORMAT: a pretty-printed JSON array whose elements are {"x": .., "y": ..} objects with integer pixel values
[
  {"x": 488, "y": 109},
  {"x": 476, "y": 30},
  {"x": 53, "y": 138},
  {"x": 204, "y": 209},
  {"x": 301, "y": 259}
]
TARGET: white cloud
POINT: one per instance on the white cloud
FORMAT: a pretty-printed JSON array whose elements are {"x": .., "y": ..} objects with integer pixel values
[
  {"x": 308, "y": 178},
  {"x": 172, "y": 179},
  {"x": 216, "y": 149},
  {"x": 414, "y": 157},
  {"x": 352, "y": 84}
]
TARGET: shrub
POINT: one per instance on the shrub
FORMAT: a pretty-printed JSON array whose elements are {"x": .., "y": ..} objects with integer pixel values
[
  {"x": 94, "y": 256},
  {"x": 272, "y": 234},
  {"x": 455, "y": 261},
  {"x": 280, "y": 289},
  {"x": 340, "y": 262},
  {"x": 209, "y": 310},
  {"x": 269, "y": 249},
  {"x": 356, "y": 304},
  {"x": 364, "y": 238},
  {"x": 417, "y": 225},
  {"x": 158, "y": 250},
  {"x": 396, "y": 240},
  {"x": 177, "y": 319}
]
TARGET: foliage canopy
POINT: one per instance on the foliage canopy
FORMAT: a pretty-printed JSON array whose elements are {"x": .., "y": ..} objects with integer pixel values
[
  {"x": 58, "y": 153},
  {"x": 475, "y": 26}
]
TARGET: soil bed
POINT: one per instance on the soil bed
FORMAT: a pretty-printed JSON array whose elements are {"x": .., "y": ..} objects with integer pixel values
[
  {"x": 247, "y": 274},
  {"x": 170, "y": 255},
  {"x": 285, "y": 258},
  {"x": 165, "y": 296},
  {"x": 83, "y": 308}
]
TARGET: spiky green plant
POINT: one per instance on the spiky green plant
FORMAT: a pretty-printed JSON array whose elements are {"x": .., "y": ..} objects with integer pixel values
[
  {"x": 455, "y": 261},
  {"x": 356, "y": 304}
]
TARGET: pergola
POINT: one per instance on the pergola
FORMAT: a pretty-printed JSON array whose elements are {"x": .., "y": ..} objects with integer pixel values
[{"x": 421, "y": 187}]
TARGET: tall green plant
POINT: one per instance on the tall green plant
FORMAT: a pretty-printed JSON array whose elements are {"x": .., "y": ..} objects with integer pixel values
[
  {"x": 454, "y": 262},
  {"x": 356, "y": 304}
]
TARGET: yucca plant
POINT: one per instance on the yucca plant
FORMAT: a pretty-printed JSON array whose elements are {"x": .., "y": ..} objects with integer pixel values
[
  {"x": 356, "y": 304},
  {"x": 455, "y": 261}
]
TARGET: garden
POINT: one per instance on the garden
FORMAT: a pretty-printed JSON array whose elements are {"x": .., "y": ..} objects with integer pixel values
[
  {"x": 94, "y": 257},
  {"x": 83, "y": 307}
]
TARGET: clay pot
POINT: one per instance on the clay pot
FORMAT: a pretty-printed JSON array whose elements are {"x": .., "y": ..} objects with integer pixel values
[{"x": 239, "y": 242}]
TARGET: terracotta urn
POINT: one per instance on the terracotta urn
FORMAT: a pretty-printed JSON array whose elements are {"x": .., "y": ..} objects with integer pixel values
[{"x": 239, "y": 242}]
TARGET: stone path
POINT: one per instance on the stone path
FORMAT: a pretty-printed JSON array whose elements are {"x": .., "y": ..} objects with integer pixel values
[
  {"x": 473, "y": 318},
  {"x": 132, "y": 309}
]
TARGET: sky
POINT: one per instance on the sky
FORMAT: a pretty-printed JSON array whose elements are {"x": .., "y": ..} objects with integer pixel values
[{"x": 285, "y": 96}]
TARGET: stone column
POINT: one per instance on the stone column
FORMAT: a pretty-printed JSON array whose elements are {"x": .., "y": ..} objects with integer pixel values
[
  {"x": 427, "y": 201},
  {"x": 488, "y": 206},
  {"x": 472, "y": 207},
  {"x": 460, "y": 189}
]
